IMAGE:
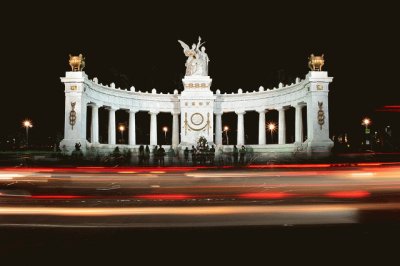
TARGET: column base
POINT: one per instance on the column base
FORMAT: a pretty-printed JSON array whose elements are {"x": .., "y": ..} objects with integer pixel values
[{"x": 318, "y": 148}]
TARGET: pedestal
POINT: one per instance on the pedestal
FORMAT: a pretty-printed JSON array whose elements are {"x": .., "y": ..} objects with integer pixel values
[
  {"x": 197, "y": 110},
  {"x": 318, "y": 141},
  {"x": 75, "y": 111}
]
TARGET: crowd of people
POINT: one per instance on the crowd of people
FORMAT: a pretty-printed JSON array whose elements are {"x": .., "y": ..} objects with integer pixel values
[
  {"x": 200, "y": 155},
  {"x": 195, "y": 156},
  {"x": 158, "y": 155}
]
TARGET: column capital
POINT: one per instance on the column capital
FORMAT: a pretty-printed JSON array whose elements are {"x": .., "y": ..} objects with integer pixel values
[
  {"x": 300, "y": 104},
  {"x": 175, "y": 113},
  {"x": 282, "y": 108},
  {"x": 153, "y": 112},
  {"x": 218, "y": 113},
  {"x": 112, "y": 108},
  {"x": 93, "y": 105},
  {"x": 132, "y": 111},
  {"x": 262, "y": 110},
  {"x": 240, "y": 112}
]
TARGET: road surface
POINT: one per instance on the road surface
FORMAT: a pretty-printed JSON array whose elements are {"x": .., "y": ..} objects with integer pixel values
[
  {"x": 284, "y": 213},
  {"x": 269, "y": 195}
]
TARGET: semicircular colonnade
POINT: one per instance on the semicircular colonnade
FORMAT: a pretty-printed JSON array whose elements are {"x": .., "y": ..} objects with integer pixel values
[{"x": 197, "y": 101}]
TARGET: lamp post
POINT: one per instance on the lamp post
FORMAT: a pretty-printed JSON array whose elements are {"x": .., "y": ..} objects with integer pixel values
[
  {"x": 366, "y": 122},
  {"x": 27, "y": 124},
  {"x": 271, "y": 127},
  {"x": 388, "y": 131},
  {"x": 226, "y": 128},
  {"x": 165, "y": 129},
  {"x": 122, "y": 129}
]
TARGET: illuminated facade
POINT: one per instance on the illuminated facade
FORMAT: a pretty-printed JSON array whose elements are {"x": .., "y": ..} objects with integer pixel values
[{"x": 197, "y": 111}]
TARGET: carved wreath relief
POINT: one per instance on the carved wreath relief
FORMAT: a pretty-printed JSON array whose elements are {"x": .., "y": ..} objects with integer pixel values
[
  {"x": 72, "y": 115},
  {"x": 196, "y": 119},
  {"x": 321, "y": 115}
]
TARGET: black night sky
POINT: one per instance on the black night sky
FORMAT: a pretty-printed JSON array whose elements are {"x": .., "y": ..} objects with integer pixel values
[{"x": 249, "y": 46}]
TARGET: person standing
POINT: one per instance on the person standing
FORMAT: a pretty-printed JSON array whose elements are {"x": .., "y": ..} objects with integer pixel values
[
  {"x": 186, "y": 155},
  {"x": 171, "y": 155},
  {"x": 235, "y": 155},
  {"x": 155, "y": 155},
  {"x": 242, "y": 154},
  {"x": 161, "y": 154},
  {"x": 194, "y": 155},
  {"x": 220, "y": 156},
  {"x": 147, "y": 155},
  {"x": 141, "y": 154},
  {"x": 212, "y": 155}
]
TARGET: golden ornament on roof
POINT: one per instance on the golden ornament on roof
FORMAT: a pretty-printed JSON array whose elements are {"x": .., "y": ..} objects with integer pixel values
[
  {"x": 315, "y": 63},
  {"x": 77, "y": 63}
]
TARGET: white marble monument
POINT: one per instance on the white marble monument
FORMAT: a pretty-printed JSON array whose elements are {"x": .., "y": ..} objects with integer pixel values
[
  {"x": 197, "y": 99},
  {"x": 200, "y": 109}
]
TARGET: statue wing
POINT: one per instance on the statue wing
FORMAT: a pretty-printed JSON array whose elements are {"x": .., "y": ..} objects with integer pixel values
[{"x": 185, "y": 47}]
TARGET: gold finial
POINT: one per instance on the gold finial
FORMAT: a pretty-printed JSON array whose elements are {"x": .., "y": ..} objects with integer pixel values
[
  {"x": 77, "y": 63},
  {"x": 315, "y": 63}
]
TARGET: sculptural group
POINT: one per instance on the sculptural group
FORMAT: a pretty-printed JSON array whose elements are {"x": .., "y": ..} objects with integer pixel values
[{"x": 197, "y": 59}]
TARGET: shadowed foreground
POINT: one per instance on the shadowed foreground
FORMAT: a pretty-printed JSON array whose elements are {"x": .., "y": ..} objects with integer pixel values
[{"x": 173, "y": 214}]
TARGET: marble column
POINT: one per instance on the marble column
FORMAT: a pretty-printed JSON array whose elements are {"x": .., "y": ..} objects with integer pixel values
[
  {"x": 153, "y": 127},
  {"x": 218, "y": 128},
  {"x": 175, "y": 129},
  {"x": 132, "y": 127},
  {"x": 111, "y": 126},
  {"x": 240, "y": 127},
  {"x": 94, "y": 138},
  {"x": 281, "y": 126},
  {"x": 261, "y": 127},
  {"x": 299, "y": 124}
]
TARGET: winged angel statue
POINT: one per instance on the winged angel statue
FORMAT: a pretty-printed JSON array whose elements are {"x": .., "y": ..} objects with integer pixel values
[{"x": 197, "y": 59}]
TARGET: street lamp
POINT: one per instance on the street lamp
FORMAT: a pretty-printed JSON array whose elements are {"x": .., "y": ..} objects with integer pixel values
[
  {"x": 122, "y": 129},
  {"x": 388, "y": 131},
  {"x": 226, "y": 128},
  {"x": 271, "y": 127},
  {"x": 165, "y": 129},
  {"x": 27, "y": 124},
  {"x": 366, "y": 121}
]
